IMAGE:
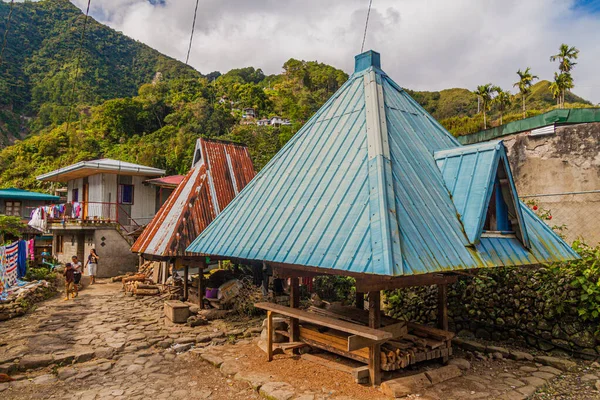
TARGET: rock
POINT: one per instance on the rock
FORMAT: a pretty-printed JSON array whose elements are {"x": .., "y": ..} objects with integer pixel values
[
  {"x": 529, "y": 369},
  {"x": 35, "y": 361},
  {"x": 43, "y": 379},
  {"x": 497, "y": 355},
  {"x": 483, "y": 334},
  {"x": 401, "y": 387},
  {"x": 598, "y": 385},
  {"x": 181, "y": 348},
  {"x": 588, "y": 377},
  {"x": 277, "y": 391},
  {"x": 534, "y": 381},
  {"x": 551, "y": 370},
  {"x": 460, "y": 363},
  {"x": 443, "y": 374},
  {"x": 230, "y": 368},
  {"x": 496, "y": 349},
  {"x": 543, "y": 375},
  {"x": 185, "y": 340},
  {"x": 262, "y": 344},
  {"x": 104, "y": 352},
  {"x": 515, "y": 383},
  {"x": 584, "y": 339},
  {"x": 527, "y": 390},
  {"x": 279, "y": 323},
  {"x": 213, "y": 359},
  {"x": 560, "y": 363},
  {"x": 213, "y": 314},
  {"x": 469, "y": 345},
  {"x": 520, "y": 355},
  {"x": 134, "y": 368},
  {"x": 137, "y": 336},
  {"x": 165, "y": 344},
  {"x": 254, "y": 379},
  {"x": 203, "y": 337},
  {"x": 84, "y": 355},
  {"x": 66, "y": 373},
  {"x": 235, "y": 332},
  {"x": 219, "y": 340}
]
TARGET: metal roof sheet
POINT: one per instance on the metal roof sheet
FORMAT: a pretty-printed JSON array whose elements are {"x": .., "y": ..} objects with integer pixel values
[
  {"x": 104, "y": 165},
  {"x": 20, "y": 194},
  {"x": 220, "y": 172},
  {"x": 357, "y": 189},
  {"x": 166, "y": 181},
  {"x": 470, "y": 173}
]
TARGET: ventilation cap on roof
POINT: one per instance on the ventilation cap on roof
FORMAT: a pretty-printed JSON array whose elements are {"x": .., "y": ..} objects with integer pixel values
[{"x": 367, "y": 59}]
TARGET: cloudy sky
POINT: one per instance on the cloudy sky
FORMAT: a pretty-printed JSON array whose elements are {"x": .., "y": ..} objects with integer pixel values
[{"x": 424, "y": 44}]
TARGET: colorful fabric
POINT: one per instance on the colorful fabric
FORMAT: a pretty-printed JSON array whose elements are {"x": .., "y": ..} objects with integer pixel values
[
  {"x": 22, "y": 259},
  {"x": 12, "y": 263},
  {"x": 3, "y": 264},
  {"x": 31, "y": 249}
]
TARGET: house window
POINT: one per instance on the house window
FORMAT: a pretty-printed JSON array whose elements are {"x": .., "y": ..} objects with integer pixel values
[
  {"x": 75, "y": 195},
  {"x": 125, "y": 194},
  {"x": 13, "y": 208},
  {"x": 59, "y": 244}
]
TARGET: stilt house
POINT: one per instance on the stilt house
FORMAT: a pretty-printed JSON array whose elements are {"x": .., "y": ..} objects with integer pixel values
[{"x": 375, "y": 188}]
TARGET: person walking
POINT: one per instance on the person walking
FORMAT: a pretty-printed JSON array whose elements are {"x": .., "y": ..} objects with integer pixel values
[
  {"x": 69, "y": 274},
  {"x": 78, "y": 270},
  {"x": 92, "y": 265}
]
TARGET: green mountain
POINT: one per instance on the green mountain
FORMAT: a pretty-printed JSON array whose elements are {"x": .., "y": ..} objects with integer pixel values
[
  {"x": 38, "y": 66},
  {"x": 135, "y": 104}
]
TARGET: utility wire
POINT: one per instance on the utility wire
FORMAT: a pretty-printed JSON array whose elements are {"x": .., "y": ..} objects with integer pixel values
[
  {"x": 71, "y": 100},
  {"x": 12, "y": 3},
  {"x": 366, "y": 25},
  {"x": 192, "y": 34}
]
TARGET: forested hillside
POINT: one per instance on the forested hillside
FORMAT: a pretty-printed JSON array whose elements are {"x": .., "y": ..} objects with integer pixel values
[{"x": 135, "y": 104}]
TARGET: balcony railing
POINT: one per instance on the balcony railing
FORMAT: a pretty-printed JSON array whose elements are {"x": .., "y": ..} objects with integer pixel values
[{"x": 91, "y": 212}]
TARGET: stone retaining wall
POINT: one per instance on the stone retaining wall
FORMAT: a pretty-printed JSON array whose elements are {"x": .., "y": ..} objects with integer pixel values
[
  {"x": 526, "y": 306},
  {"x": 17, "y": 307}
]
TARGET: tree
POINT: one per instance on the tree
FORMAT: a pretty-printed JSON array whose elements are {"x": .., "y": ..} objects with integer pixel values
[
  {"x": 485, "y": 92},
  {"x": 10, "y": 226},
  {"x": 524, "y": 84},
  {"x": 564, "y": 80},
  {"x": 502, "y": 99}
]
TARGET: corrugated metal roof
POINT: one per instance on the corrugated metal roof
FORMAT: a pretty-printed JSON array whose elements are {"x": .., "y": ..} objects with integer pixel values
[
  {"x": 166, "y": 181},
  {"x": 104, "y": 165},
  {"x": 470, "y": 173},
  {"x": 357, "y": 189},
  {"x": 20, "y": 194},
  {"x": 220, "y": 172}
]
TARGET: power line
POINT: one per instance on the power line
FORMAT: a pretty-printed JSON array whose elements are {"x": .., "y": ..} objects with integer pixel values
[
  {"x": 366, "y": 25},
  {"x": 192, "y": 34},
  {"x": 12, "y": 3},
  {"x": 71, "y": 100}
]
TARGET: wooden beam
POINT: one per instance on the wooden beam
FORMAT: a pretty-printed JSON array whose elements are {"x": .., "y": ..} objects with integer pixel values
[
  {"x": 375, "y": 283},
  {"x": 375, "y": 349},
  {"x": 443, "y": 307},
  {"x": 201, "y": 285},
  {"x": 294, "y": 303},
  {"x": 185, "y": 282},
  {"x": 360, "y": 300},
  {"x": 269, "y": 336},
  {"x": 348, "y": 327},
  {"x": 397, "y": 330}
]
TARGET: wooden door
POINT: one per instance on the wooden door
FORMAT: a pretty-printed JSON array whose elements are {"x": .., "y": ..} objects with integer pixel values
[{"x": 85, "y": 198}]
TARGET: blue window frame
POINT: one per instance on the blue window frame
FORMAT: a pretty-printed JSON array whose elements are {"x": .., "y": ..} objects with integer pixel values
[{"x": 125, "y": 194}]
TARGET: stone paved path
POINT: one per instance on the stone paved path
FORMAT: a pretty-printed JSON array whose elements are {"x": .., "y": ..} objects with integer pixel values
[{"x": 104, "y": 345}]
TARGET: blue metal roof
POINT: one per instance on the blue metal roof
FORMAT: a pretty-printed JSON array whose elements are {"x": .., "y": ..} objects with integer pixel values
[
  {"x": 20, "y": 194},
  {"x": 357, "y": 189},
  {"x": 470, "y": 173}
]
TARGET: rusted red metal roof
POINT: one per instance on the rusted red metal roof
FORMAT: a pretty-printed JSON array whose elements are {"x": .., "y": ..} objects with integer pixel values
[
  {"x": 219, "y": 172},
  {"x": 167, "y": 181}
]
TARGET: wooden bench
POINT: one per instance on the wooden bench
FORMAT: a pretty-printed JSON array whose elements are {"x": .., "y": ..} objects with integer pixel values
[{"x": 361, "y": 336}]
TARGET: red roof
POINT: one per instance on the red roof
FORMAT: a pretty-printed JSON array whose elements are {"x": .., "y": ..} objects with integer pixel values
[
  {"x": 220, "y": 171},
  {"x": 171, "y": 180}
]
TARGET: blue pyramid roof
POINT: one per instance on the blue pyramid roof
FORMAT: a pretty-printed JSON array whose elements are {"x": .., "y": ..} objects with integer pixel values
[{"x": 358, "y": 190}]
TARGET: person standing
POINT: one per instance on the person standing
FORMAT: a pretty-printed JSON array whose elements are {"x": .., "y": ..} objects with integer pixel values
[
  {"x": 92, "y": 265},
  {"x": 69, "y": 274},
  {"x": 78, "y": 270}
]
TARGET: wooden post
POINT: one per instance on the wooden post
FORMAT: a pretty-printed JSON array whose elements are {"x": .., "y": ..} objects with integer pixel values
[
  {"x": 294, "y": 303},
  {"x": 443, "y": 307},
  {"x": 375, "y": 350},
  {"x": 201, "y": 285},
  {"x": 185, "y": 282},
  {"x": 360, "y": 300},
  {"x": 269, "y": 335}
]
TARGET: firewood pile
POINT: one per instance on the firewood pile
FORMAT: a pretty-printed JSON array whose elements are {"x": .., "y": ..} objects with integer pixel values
[{"x": 421, "y": 343}]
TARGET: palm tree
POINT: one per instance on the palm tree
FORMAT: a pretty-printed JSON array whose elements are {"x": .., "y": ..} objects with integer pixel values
[
  {"x": 524, "y": 84},
  {"x": 555, "y": 89},
  {"x": 503, "y": 100},
  {"x": 564, "y": 80},
  {"x": 565, "y": 56},
  {"x": 484, "y": 92}
]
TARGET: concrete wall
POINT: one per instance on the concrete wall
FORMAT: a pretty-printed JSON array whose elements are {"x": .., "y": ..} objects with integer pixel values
[
  {"x": 114, "y": 251},
  {"x": 568, "y": 161}
]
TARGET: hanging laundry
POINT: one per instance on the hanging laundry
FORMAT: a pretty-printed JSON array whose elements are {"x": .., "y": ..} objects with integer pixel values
[
  {"x": 12, "y": 257},
  {"x": 31, "y": 249},
  {"x": 3, "y": 265},
  {"x": 38, "y": 220},
  {"x": 21, "y": 259}
]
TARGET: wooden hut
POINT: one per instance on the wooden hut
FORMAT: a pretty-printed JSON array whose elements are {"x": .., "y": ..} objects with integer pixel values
[
  {"x": 220, "y": 170},
  {"x": 375, "y": 188}
]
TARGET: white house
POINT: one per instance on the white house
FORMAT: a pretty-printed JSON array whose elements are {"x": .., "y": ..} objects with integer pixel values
[{"x": 106, "y": 201}]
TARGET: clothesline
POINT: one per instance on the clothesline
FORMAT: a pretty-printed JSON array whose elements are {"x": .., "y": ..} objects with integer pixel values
[
  {"x": 13, "y": 264},
  {"x": 40, "y": 215}
]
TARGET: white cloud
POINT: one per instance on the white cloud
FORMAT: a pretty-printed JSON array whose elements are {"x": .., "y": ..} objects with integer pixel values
[{"x": 424, "y": 44}]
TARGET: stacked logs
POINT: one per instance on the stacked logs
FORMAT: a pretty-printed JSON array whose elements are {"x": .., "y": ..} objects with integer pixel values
[{"x": 140, "y": 285}]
